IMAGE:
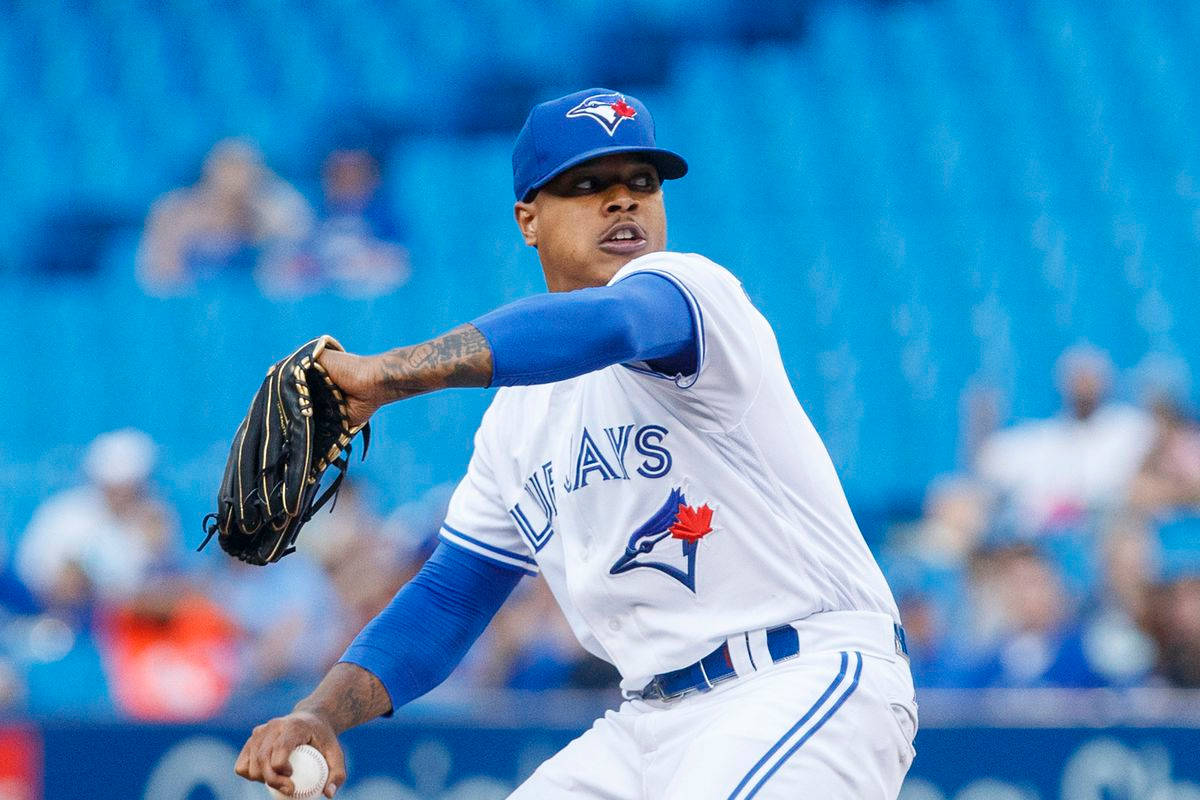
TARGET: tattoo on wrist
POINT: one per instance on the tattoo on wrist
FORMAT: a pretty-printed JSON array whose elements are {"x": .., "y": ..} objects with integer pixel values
[
  {"x": 348, "y": 696},
  {"x": 460, "y": 357}
]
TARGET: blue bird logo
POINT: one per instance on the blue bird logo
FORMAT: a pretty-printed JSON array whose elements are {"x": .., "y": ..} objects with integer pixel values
[
  {"x": 610, "y": 110},
  {"x": 675, "y": 520}
]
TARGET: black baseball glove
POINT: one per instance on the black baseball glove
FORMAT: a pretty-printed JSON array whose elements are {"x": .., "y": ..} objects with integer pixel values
[{"x": 297, "y": 427}]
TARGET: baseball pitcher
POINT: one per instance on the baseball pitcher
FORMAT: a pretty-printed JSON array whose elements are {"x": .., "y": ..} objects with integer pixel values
[{"x": 649, "y": 458}]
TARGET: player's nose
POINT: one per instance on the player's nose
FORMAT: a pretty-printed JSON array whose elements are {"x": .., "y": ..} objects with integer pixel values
[{"x": 619, "y": 198}]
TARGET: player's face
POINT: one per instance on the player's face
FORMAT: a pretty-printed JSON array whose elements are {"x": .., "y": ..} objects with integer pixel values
[{"x": 593, "y": 219}]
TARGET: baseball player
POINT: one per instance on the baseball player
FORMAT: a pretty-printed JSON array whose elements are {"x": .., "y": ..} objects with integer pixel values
[{"x": 649, "y": 458}]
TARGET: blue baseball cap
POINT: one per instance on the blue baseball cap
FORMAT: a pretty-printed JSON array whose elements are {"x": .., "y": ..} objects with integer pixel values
[{"x": 562, "y": 133}]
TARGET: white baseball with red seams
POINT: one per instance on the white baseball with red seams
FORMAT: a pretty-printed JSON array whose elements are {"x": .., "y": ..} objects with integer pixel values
[{"x": 310, "y": 771}]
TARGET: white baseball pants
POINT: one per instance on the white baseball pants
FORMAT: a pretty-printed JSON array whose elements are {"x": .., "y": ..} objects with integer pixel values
[{"x": 830, "y": 724}]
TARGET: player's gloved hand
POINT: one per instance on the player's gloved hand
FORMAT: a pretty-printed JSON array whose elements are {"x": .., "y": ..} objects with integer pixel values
[
  {"x": 360, "y": 378},
  {"x": 264, "y": 757}
]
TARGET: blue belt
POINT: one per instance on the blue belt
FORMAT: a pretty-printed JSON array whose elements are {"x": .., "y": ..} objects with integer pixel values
[{"x": 716, "y": 667}]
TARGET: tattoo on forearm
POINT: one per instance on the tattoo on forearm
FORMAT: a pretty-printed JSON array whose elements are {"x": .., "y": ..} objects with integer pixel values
[
  {"x": 348, "y": 696},
  {"x": 460, "y": 357}
]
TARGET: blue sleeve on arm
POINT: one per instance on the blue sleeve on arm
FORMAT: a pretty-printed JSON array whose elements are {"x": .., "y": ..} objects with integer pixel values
[
  {"x": 415, "y": 643},
  {"x": 560, "y": 335}
]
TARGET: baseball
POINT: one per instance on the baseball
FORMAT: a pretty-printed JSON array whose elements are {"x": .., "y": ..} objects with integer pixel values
[{"x": 309, "y": 774}]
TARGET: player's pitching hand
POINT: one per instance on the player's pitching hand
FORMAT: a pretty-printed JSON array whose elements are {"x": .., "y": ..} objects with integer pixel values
[
  {"x": 264, "y": 757},
  {"x": 359, "y": 377}
]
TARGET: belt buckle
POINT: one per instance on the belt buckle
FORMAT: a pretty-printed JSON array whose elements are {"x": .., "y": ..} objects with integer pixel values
[{"x": 653, "y": 690}]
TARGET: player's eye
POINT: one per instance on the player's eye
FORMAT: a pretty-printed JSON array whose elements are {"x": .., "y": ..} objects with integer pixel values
[
  {"x": 643, "y": 181},
  {"x": 586, "y": 184}
]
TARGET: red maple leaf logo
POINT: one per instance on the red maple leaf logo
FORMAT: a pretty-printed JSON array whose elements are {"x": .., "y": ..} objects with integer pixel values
[
  {"x": 623, "y": 109},
  {"x": 692, "y": 524}
]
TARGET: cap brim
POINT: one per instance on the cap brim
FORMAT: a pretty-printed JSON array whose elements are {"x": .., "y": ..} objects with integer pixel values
[{"x": 670, "y": 165}]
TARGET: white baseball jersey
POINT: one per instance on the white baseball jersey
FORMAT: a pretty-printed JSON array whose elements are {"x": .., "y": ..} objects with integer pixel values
[{"x": 668, "y": 514}]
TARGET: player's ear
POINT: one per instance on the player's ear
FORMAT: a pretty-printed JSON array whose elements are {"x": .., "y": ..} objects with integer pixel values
[{"x": 526, "y": 216}]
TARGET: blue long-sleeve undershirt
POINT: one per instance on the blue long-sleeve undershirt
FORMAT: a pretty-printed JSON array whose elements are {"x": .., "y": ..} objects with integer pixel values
[
  {"x": 552, "y": 337},
  {"x": 414, "y": 643}
]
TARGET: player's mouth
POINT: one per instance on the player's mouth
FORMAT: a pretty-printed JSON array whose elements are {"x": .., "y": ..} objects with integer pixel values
[{"x": 623, "y": 239}]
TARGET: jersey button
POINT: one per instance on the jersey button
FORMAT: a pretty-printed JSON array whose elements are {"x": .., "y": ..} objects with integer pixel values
[{"x": 614, "y": 624}]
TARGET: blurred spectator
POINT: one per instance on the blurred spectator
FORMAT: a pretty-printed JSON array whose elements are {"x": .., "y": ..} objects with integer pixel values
[
  {"x": 1175, "y": 626},
  {"x": 1113, "y": 640},
  {"x": 364, "y": 567},
  {"x": 356, "y": 248},
  {"x": 955, "y": 520},
  {"x": 288, "y": 618},
  {"x": 351, "y": 181},
  {"x": 1055, "y": 472},
  {"x": 237, "y": 212},
  {"x": 89, "y": 552},
  {"x": 102, "y": 541},
  {"x": 927, "y": 565},
  {"x": 1036, "y": 639},
  {"x": 1170, "y": 474},
  {"x": 168, "y": 654},
  {"x": 1173, "y": 602}
]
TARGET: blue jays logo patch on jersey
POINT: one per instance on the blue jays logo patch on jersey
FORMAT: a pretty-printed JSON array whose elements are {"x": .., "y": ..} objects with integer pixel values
[
  {"x": 610, "y": 110},
  {"x": 674, "y": 521}
]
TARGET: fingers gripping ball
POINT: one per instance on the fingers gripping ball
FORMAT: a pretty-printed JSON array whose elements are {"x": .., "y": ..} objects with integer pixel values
[
  {"x": 310, "y": 771},
  {"x": 298, "y": 426}
]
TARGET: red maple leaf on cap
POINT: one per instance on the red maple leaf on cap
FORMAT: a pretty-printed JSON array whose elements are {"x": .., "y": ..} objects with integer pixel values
[
  {"x": 623, "y": 109},
  {"x": 692, "y": 524}
]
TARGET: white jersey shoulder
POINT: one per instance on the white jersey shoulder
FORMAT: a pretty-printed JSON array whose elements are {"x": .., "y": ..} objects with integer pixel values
[{"x": 669, "y": 512}]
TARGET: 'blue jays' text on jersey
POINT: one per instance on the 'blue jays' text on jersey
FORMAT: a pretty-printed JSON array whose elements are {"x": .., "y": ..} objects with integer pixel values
[{"x": 667, "y": 514}]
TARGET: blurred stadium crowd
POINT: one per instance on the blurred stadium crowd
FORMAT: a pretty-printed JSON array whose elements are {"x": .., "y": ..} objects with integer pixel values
[
  {"x": 1065, "y": 557},
  {"x": 985, "y": 185},
  {"x": 1069, "y": 554},
  {"x": 104, "y": 610},
  {"x": 241, "y": 217}
]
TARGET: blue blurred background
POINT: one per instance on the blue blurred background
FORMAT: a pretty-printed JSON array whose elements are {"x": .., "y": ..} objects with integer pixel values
[{"x": 975, "y": 227}]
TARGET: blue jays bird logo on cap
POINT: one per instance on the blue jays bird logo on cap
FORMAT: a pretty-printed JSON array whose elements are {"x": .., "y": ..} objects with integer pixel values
[
  {"x": 609, "y": 110},
  {"x": 674, "y": 521}
]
